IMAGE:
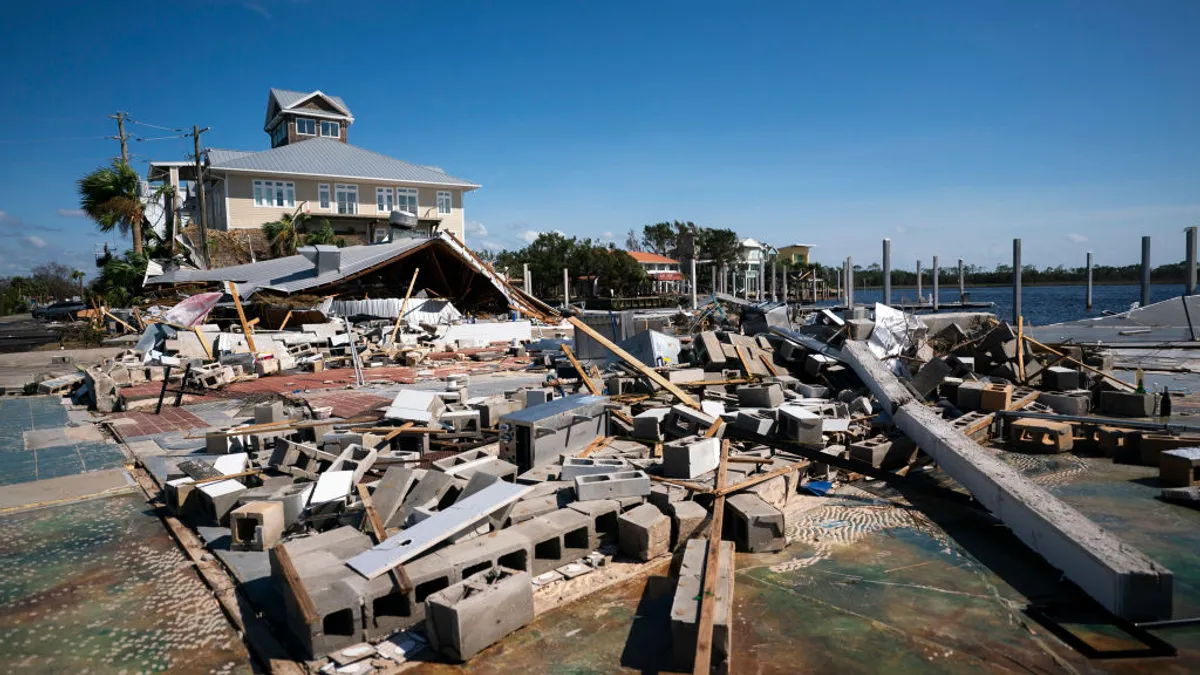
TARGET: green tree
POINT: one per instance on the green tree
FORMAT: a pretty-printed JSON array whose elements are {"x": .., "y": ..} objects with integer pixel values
[
  {"x": 323, "y": 235},
  {"x": 282, "y": 234},
  {"x": 120, "y": 280},
  {"x": 109, "y": 196},
  {"x": 78, "y": 275}
]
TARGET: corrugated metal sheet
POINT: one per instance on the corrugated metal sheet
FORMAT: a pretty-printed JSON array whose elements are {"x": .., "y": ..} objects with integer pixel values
[
  {"x": 327, "y": 157},
  {"x": 287, "y": 98},
  {"x": 419, "y": 310}
]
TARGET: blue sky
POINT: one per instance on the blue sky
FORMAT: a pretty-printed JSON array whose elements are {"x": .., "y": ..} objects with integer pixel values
[{"x": 950, "y": 127}]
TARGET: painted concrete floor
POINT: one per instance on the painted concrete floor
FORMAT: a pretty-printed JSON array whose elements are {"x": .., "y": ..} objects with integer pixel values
[
  {"x": 98, "y": 587},
  {"x": 36, "y": 442}
]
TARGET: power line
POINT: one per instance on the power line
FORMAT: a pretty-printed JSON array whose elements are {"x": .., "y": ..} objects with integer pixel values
[
  {"x": 156, "y": 126},
  {"x": 161, "y": 138}
]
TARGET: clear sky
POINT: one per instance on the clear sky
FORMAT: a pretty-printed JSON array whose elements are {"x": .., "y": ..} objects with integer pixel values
[{"x": 950, "y": 127}]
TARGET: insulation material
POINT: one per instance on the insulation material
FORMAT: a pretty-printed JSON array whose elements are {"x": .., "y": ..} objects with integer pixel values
[
  {"x": 427, "y": 311},
  {"x": 893, "y": 334}
]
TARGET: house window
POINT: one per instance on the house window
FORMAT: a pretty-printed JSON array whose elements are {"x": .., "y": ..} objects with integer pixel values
[
  {"x": 278, "y": 134},
  {"x": 383, "y": 200},
  {"x": 306, "y": 126},
  {"x": 274, "y": 193},
  {"x": 381, "y": 234},
  {"x": 347, "y": 198},
  {"x": 323, "y": 195},
  {"x": 331, "y": 129},
  {"x": 444, "y": 203},
  {"x": 406, "y": 200}
]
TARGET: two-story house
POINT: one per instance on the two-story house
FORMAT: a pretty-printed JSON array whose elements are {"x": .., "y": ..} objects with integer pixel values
[
  {"x": 795, "y": 255},
  {"x": 312, "y": 168},
  {"x": 664, "y": 272}
]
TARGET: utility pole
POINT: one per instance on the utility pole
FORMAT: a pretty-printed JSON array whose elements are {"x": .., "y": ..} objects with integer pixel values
[
  {"x": 196, "y": 131},
  {"x": 121, "y": 136}
]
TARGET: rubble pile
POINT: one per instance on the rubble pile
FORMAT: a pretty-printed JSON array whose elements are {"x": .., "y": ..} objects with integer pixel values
[{"x": 451, "y": 521}]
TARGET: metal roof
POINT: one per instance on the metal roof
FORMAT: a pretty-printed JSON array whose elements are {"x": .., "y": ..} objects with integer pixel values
[
  {"x": 324, "y": 157},
  {"x": 287, "y": 98},
  {"x": 299, "y": 272}
]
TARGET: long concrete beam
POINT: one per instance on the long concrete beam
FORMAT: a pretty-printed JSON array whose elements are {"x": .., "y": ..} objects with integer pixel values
[{"x": 1119, "y": 577}]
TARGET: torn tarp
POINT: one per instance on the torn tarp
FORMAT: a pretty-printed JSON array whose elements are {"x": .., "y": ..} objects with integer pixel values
[
  {"x": 893, "y": 334},
  {"x": 192, "y": 311}
]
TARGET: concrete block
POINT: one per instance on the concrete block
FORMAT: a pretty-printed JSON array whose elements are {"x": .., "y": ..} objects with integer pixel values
[
  {"x": 801, "y": 424},
  {"x": 1179, "y": 468},
  {"x": 995, "y": 396},
  {"x": 644, "y": 533},
  {"x": 1126, "y": 404},
  {"x": 663, "y": 494},
  {"x": 970, "y": 394},
  {"x": 612, "y": 485},
  {"x": 685, "y": 609},
  {"x": 557, "y": 537},
  {"x": 754, "y": 525},
  {"x": 573, "y": 467},
  {"x": 691, "y": 457},
  {"x": 218, "y": 498},
  {"x": 432, "y": 489},
  {"x": 464, "y": 619},
  {"x": 755, "y": 422},
  {"x": 684, "y": 421},
  {"x": 859, "y": 329},
  {"x": 604, "y": 513},
  {"x": 390, "y": 491},
  {"x": 760, "y": 395},
  {"x": 649, "y": 424},
  {"x": 1057, "y": 378},
  {"x": 687, "y": 521},
  {"x": 356, "y": 459},
  {"x": 1067, "y": 402},
  {"x": 256, "y": 526},
  {"x": 294, "y": 499},
  {"x": 1040, "y": 436},
  {"x": 931, "y": 375},
  {"x": 812, "y": 390},
  {"x": 266, "y": 413}
]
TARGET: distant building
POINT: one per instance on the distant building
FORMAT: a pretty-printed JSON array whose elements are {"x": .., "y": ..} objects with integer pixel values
[
  {"x": 663, "y": 271},
  {"x": 795, "y": 254},
  {"x": 312, "y": 168},
  {"x": 752, "y": 258}
]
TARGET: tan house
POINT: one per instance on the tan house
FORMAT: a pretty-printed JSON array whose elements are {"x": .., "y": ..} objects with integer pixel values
[
  {"x": 313, "y": 168},
  {"x": 795, "y": 254}
]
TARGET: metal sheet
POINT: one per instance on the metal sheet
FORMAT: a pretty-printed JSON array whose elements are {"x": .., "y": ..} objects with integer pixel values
[{"x": 402, "y": 547}]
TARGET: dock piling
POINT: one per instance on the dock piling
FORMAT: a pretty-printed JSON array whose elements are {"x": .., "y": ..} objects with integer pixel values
[
  {"x": 962, "y": 283},
  {"x": 1016, "y": 271},
  {"x": 887, "y": 271},
  {"x": 1191, "y": 260},
  {"x": 1145, "y": 271},
  {"x": 1089, "y": 279},
  {"x": 934, "y": 271}
]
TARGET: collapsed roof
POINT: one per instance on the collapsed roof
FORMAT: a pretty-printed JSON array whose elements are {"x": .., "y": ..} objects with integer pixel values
[{"x": 448, "y": 270}]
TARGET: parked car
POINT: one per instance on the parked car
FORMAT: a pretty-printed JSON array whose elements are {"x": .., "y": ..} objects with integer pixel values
[{"x": 59, "y": 311}]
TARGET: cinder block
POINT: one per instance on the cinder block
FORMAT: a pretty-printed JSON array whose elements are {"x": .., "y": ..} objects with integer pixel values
[
  {"x": 256, "y": 526},
  {"x": 604, "y": 513},
  {"x": 557, "y": 537},
  {"x": 1057, "y": 378},
  {"x": 687, "y": 521},
  {"x": 1127, "y": 404},
  {"x": 691, "y": 457},
  {"x": 219, "y": 498},
  {"x": 464, "y": 619},
  {"x": 801, "y": 424},
  {"x": 995, "y": 396},
  {"x": 760, "y": 395},
  {"x": 859, "y": 329},
  {"x": 267, "y": 413},
  {"x": 644, "y": 533},
  {"x": 969, "y": 395},
  {"x": 1040, "y": 436},
  {"x": 573, "y": 467},
  {"x": 612, "y": 485},
  {"x": 754, "y": 525},
  {"x": 812, "y": 390},
  {"x": 649, "y": 424},
  {"x": 685, "y": 609},
  {"x": 755, "y": 422},
  {"x": 1067, "y": 402},
  {"x": 1179, "y": 467}
]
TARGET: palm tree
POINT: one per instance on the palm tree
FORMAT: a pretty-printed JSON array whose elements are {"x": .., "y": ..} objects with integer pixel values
[
  {"x": 283, "y": 234},
  {"x": 78, "y": 276},
  {"x": 109, "y": 196}
]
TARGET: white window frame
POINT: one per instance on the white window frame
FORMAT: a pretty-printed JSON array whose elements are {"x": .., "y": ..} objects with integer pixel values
[
  {"x": 348, "y": 189},
  {"x": 337, "y": 127},
  {"x": 449, "y": 196},
  {"x": 324, "y": 197},
  {"x": 381, "y": 234},
  {"x": 274, "y": 194},
  {"x": 404, "y": 193},
  {"x": 385, "y": 200},
  {"x": 306, "y": 119}
]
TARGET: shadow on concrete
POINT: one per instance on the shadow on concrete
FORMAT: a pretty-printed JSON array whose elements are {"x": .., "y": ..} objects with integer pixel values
[{"x": 648, "y": 647}]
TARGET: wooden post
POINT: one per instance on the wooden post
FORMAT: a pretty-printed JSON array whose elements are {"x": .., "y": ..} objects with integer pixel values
[
  {"x": 404, "y": 305},
  {"x": 587, "y": 381},
  {"x": 642, "y": 368},
  {"x": 708, "y": 597},
  {"x": 308, "y": 610},
  {"x": 1021, "y": 347},
  {"x": 287, "y": 317},
  {"x": 237, "y": 302}
]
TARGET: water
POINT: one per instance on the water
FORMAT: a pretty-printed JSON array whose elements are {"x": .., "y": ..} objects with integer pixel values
[{"x": 1041, "y": 305}]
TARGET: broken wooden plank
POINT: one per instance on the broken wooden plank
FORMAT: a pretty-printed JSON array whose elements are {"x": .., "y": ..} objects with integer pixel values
[
  {"x": 404, "y": 305},
  {"x": 308, "y": 610},
  {"x": 246, "y": 329},
  {"x": 587, "y": 381},
  {"x": 708, "y": 598},
  {"x": 632, "y": 360}
]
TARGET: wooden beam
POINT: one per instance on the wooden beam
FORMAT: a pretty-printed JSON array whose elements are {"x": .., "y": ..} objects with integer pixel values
[
  {"x": 397, "y": 431},
  {"x": 708, "y": 597},
  {"x": 587, "y": 381},
  {"x": 308, "y": 610},
  {"x": 712, "y": 430},
  {"x": 110, "y": 315},
  {"x": 632, "y": 360},
  {"x": 596, "y": 444},
  {"x": 751, "y": 482},
  {"x": 770, "y": 366},
  {"x": 742, "y": 357},
  {"x": 751, "y": 460},
  {"x": 137, "y": 316},
  {"x": 702, "y": 489},
  {"x": 404, "y": 305},
  {"x": 249, "y": 333},
  {"x": 203, "y": 342},
  {"x": 253, "y": 322},
  {"x": 286, "y": 318},
  {"x": 1119, "y": 382},
  {"x": 240, "y": 474}
]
